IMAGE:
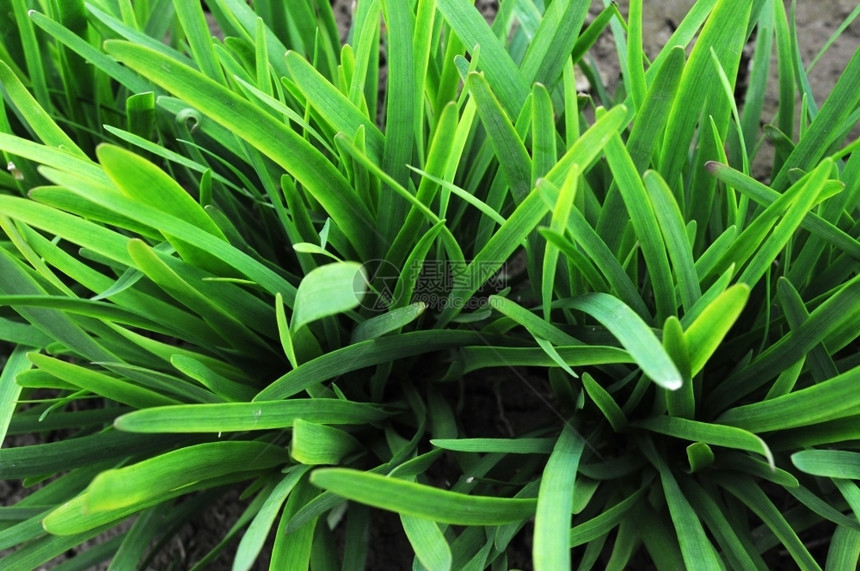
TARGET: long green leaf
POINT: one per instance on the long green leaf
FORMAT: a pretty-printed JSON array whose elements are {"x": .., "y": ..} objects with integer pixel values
[
  {"x": 577, "y": 356},
  {"x": 142, "y": 181},
  {"x": 315, "y": 443},
  {"x": 511, "y": 152},
  {"x": 765, "y": 196},
  {"x": 552, "y": 518},
  {"x": 39, "y": 119},
  {"x": 193, "y": 21},
  {"x": 633, "y": 334},
  {"x": 705, "y": 334},
  {"x": 715, "y": 434},
  {"x": 831, "y": 315},
  {"x": 828, "y": 124},
  {"x": 757, "y": 501},
  {"x": 488, "y": 445},
  {"x": 828, "y": 463},
  {"x": 236, "y": 417},
  {"x": 363, "y": 354},
  {"x": 328, "y": 290},
  {"x": 159, "y": 270},
  {"x": 600, "y": 257},
  {"x": 671, "y": 222},
  {"x": 255, "y": 536},
  {"x": 261, "y": 130},
  {"x": 9, "y": 390},
  {"x": 332, "y": 105},
  {"x": 428, "y": 541},
  {"x": 494, "y": 254},
  {"x": 844, "y": 551},
  {"x": 553, "y": 42},
  {"x": 642, "y": 216},
  {"x": 91, "y": 54},
  {"x": 834, "y": 399},
  {"x": 605, "y": 522},
  {"x": 147, "y": 480},
  {"x": 644, "y": 138},
  {"x": 94, "y": 449},
  {"x": 699, "y": 92},
  {"x": 101, "y": 384},
  {"x": 423, "y": 501},
  {"x": 604, "y": 401},
  {"x": 696, "y": 548},
  {"x": 494, "y": 60}
]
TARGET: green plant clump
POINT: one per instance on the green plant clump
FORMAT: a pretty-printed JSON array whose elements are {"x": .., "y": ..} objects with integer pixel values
[{"x": 266, "y": 261}]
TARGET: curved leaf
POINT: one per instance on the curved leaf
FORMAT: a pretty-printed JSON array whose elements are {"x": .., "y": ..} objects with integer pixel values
[
  {"x": 633, "y": 334},
  {"x": 328, "y": 290},
  {"x": 418, "y": 500},
  {"x": 239, "y": 417}
]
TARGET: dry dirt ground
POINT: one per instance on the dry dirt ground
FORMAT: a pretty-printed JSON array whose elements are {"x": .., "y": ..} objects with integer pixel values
[{"x": 389, "y": 550}]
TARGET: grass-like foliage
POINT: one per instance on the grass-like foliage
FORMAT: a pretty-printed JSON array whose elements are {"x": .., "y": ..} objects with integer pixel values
[{"x": 265, "y": 261}]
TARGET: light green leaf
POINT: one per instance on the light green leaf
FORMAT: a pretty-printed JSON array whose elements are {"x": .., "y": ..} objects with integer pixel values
[
  {"x": 828, "y": 124},
  {"x": 91, "y": 54},
  {"x": 558, "y": 224},
  {"x": 834, "y": 399},
  {"x": 552, "y": 517},
  {"x": 489, "y": 445},
  {"x": 671, "y": 223},
  {"x": 844, "y": 550},
  {"x": 142, "y": 181},
  {"x": 599, "y": 256},
  {"x": 428, "y": 541},
  {"x": 423, "y": 501},
  {"x": 147, "y": 480},
  {"x": 510, "y": 151},
  {"x": 119, "y": 390},
  {"x": 833, "y": 314},
  {"x": 644, "y": 219},
  {"x": 162, "y": 270},
  {"x": 553, "y": 42},
  {"x": 494, "y": 60},
  {"x": 710, "y": 433},
  {"x": 328, "y": 290},
  {"x": 604, "y": 401},
  {"x": 39, "y": 119},
  {"x": 238, "y": 417},
  {"x": 757, "y": 501},
  {"x": 315, "y": 443},
  {"x": 193, "y": 21},
  {"x": 332, "y": 105},
  {"x": 766, "y": 196},
  {"x": 9, "y": 390},
  {"x": 364, "y": 354},
  {"x": 389, "y": 321},
  {"x": 828, "y": 463},
  {"x": 705, "y": 334},
  {"x": 633, "y": 334},
  {"x": 272, "y": 138},
  {"x": 696, "y": 548},
  {"x": 681, "y": 403},
  {"x": 605, "y": 522}
]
